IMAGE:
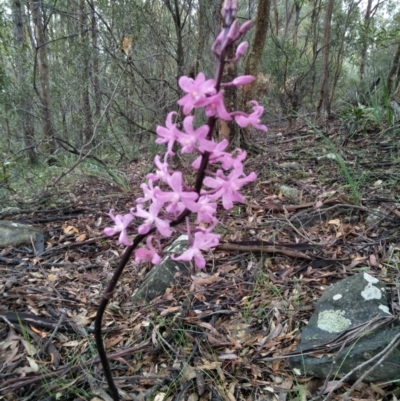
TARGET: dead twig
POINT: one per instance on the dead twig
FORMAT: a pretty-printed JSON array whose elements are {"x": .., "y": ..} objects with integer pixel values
[
  {"x": 264, "y": 248},
  {"x": 381, "y": 356}
]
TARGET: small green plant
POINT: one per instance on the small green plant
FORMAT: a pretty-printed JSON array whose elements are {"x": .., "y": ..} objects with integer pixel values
[
  {"x": 117, "y": 177},
  {"x": 360, "y": 118},
  {"x": 5, "y": 170},
  {"x": 352, "y": 184}
]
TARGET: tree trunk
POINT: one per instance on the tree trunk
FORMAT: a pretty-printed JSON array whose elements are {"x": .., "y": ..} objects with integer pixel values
[
  {"x": 324, "y": 106},
  {"x": 176, "y": 16},
  {"x": 394, "y": 69},
  {"x": 316, "y": 10},
  {"x": 27, "y": 123},
  {"x": 255, "y": 53},
  {"x": 297, "y": 6},
  {"x": 276, "y": 18},
  {"x": 85, "y": 101},
  {"x": 95, "y": 68},
  {"x": 227, "y": 129},
  {"x": 340, "y": 52},
  {"x": 43, "y": 72},
  {"x": 364, "y": 45},
  {"x": 201, "y": 40}
]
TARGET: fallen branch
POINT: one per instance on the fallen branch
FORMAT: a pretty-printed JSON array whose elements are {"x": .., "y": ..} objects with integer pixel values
[{"x": 265, "y": 249}]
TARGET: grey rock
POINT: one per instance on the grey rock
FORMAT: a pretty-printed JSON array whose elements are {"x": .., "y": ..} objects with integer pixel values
[
  {"x": 347, "y": 304},
  {"x": 162, "y": 276},
  {"x": 15, "y": 234},
  {"x": 289, "y": 192},
  {"x": 328, "y": 158},
  {"x": 291, "y": 166},
  {"x": 374, "y": 218}
]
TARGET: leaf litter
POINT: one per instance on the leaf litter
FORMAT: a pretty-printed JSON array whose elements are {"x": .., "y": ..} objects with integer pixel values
[{"x": 221, "y": 333}]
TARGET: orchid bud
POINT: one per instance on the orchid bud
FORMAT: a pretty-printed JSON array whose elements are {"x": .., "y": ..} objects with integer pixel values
[
  {"x": 243, "y": 80},
  {"x": 245, "y": 27},
  {"x": 215, "y": 48},
  {"x": 229, "y": 6},
  {"x": 233, "y": 33},
  {"x": 241, "y": 49}
]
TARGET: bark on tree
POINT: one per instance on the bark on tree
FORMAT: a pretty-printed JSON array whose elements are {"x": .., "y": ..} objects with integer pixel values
[
  {"x": 364, "y": 45},
  {"x": 394, "y": 70},
  {"x": 316, "y": 10},
  {"x": 85, "y": 101},
  {"x": 256, "y": 49},
  {"x": 297, "y": 8},
  {"x": 22, "y": 73},
  {"x": 276, "y": 18},
  {"x": 95, "y": 68},
  {"x": 201, "y": 40},
  {"x": 43, "y": 73},
  {"x": 227, "y": 129},
  {"x": 176, "y": 16},
  {"x": 324, "y": 105},
  {"x": 339, "y": 56}
]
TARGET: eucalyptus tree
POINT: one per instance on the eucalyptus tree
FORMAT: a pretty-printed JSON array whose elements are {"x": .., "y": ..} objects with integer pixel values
[
  {"x": 42, "y": 68},
  {"x": 24, "y": 100}
]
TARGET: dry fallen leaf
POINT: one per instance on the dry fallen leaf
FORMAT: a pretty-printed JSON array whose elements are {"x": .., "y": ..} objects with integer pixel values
[{"x": 81, "y": 238}]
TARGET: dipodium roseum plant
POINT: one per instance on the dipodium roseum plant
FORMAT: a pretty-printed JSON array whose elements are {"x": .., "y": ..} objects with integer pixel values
[{"x": 168, "y": 199}]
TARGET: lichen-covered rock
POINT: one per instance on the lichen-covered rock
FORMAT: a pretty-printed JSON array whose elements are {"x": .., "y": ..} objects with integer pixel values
[
  {"x": 347, "y": 304},
  {"x": 290, "y": 193},
  {"x": 15, "y": 234},
  {"x": 162, "y": 276}
]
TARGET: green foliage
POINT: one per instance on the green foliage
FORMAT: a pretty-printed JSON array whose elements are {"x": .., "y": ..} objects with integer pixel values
[{"x": 357, "y": 118}]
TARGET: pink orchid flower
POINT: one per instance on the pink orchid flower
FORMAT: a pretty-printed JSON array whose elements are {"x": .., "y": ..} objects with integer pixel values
[
  {"x": 162, "y": 173},
  {"x": 216, "y": 150},
  {"x": 168, "y": 134},
  {"x": 152, "y": 217},
  {"x": 203, "y": 241},
  {"x": 147, "y": 255},
  {"x": 227, "y": 187},
  {"x": 121, "y": 224},
  {"x": 191, "y": 137},
  {"x": 205, "y": 210},
  {"x": 148, "y": 191},
  {"x": 197, "y": 91},
  {"x": 215, "y": 107},
  {"x": 178, "y": 198},
  {"x": 253, "y": 118}
]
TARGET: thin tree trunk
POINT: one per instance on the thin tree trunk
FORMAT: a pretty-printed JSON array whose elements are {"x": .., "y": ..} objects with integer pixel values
[
  {"x": 255, "y": 53},
  {"x": 276, "y": 18},
  {"x": 364, "y": 47},
  {"x": 27, "y": 123},
  {"x": 315, "y": 35},
  {"x": 324, "y": 105},
  {"x": 394, "y": 69},
  {"x": 201, "y": 40},
  {"x": 43, "y": 72},
  {"x": 176, "y": 16},
  {"x": 85, "y": 101},
  {"x": 297, "y": 6},
  {"x": 95, "y": 68},
  {"x": 340, "y": 51},
  {"x": 227, "y": 129}
]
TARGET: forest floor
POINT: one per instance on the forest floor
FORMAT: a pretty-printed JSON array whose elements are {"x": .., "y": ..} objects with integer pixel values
[{"x": 218, "y": 334}]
